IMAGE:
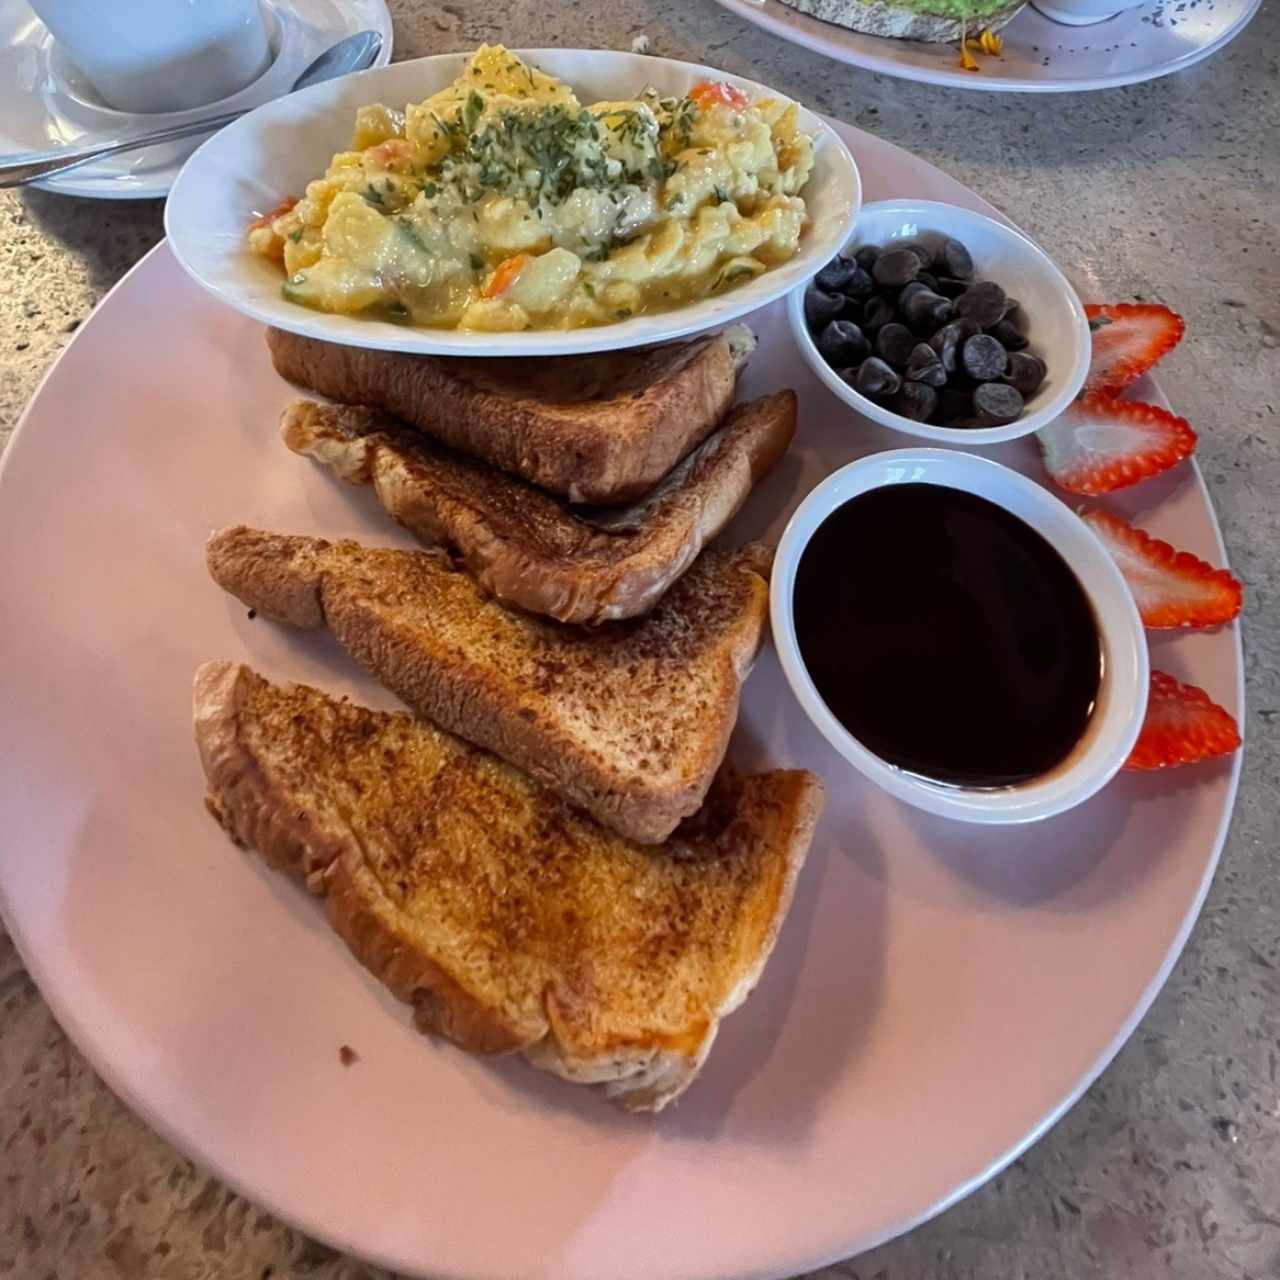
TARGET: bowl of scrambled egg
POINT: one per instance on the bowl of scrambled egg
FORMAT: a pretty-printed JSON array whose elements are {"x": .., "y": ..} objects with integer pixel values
[{"x": 517, "y": 205}]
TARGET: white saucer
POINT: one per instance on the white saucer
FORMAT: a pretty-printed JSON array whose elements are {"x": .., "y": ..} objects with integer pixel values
[{"x": 46, "y": 102}]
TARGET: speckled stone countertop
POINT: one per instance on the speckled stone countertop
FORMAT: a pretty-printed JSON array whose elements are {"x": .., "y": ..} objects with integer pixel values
[{"x": 1169, "y": 1168}]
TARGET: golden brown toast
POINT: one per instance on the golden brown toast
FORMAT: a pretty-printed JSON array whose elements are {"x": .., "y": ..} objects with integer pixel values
[
  {"x": 629, "y": 720},
  {"x": 504, "y": 917},
  {"x": 530, "y": 548},
  {"x": 594, "y": 428}
]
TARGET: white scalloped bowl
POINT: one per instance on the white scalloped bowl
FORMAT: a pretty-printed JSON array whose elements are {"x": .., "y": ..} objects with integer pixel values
[{"x": 274, "y": 151}]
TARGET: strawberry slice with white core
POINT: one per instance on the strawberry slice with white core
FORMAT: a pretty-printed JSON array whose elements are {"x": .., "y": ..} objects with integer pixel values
[
  {"x": 1171, "y": 588},
  {"x": 1128, "y": 338},
  {"x": 1183, "y": 725},
  {"x": 1099, "y": 444}
]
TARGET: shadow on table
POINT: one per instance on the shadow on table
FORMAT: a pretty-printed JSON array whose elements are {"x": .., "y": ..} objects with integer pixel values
[{"x": 107, "y": 236}]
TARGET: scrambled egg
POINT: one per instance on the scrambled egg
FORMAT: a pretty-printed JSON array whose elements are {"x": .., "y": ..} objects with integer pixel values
[{"x": 502, "y": 203}]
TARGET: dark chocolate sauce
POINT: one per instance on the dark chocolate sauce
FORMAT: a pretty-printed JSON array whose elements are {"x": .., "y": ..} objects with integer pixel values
[{"x": 947, "y": 635}]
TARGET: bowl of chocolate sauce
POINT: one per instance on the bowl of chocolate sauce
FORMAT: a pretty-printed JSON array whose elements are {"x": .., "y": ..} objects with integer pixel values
[{"x": 959, "y": 636}]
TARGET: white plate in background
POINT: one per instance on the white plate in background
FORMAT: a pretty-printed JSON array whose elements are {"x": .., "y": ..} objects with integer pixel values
[{"x": 1040, "y": 56}]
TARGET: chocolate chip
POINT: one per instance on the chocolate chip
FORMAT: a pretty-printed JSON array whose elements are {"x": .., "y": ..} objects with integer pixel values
[
  {"x": 997, "y": 403},
  {"x": 926, "y": 311},
  {"x": 955, "y": 257},
  {"x": 843, "y": 343},
  {"x": 920, "y": 249},
  {"x": 928, "y": 280},
  {"x": 1026, "y": 372},
  {"x": 859, "y": 285},
  {"x": 984, "y": 303},
  {"x": 946, "y": 342},
  {"x": 894, "y": 343},
  {"x": 953, "y": 406},
  {"x": 853, "y": 309},
  {"x": 875, "y": 379},
  {"x": 925, "y": 365},
  {"x": 878, "y": 313},
  {"x": 950, "y": 287},
  {"x": 821, "y": 307},
  {"x": 865, "y": 256},
  {"x": 896, "y": 268},
  {"x": 983, "y": 358},
  {"x": 1008, "y": 335},
  {"x": 836, "y": 275},
  {"x": 913, "y": 400},
  {"x": 909, "y": 291}
]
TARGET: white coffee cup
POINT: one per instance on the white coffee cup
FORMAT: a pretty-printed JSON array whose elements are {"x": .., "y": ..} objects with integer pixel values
[{"x": 161, "y": 55}]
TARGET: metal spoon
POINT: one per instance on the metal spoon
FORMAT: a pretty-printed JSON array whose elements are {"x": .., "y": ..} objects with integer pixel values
[{"x": 352, "y": 54}]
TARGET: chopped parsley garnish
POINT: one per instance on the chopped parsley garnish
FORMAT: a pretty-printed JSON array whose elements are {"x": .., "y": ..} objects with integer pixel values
[
  {"x": 546, "y": 154},
  {"x": 623, "y": 313},
  {"x": 477, "y": 264},
  {"x": 588, "y": 288},
  {"x": 373, "y": 195},
  {"x": 682, "y": 114},
  {"x": 295, "y": 236}
]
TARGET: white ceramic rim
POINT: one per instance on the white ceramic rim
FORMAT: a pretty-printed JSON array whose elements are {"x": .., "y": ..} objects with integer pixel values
[
  {"x": 642, "y": 330},
  {"x": 808, "y": 33},
  {"x": 1122, "y": 697},
  {"x": 939, "y": 211}
]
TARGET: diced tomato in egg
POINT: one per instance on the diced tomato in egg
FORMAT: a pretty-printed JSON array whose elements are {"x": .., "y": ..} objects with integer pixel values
[
  {"x": 709, "y": 92},
  {"x": 272, "y": 214},
  {"x": 507, "y": 273}
]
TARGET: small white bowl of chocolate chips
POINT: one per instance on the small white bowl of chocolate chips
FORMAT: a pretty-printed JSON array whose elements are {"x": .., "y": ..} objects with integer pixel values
[{"x": 940, "y": 322}]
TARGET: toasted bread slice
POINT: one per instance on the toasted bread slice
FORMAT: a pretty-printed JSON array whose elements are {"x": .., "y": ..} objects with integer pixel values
[
  {"x": 596, "y": 428},
  {"x": 529, "y": 548},
  {"x": 630, "y": 720},
  {"x": 504, "y": 917}
]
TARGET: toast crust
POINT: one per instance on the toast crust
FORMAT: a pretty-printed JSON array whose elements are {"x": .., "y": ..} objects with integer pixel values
[
  {"x": 629, "y": 721},
  {"x": 595, "y": 428},
  {"x": 508, "y": 921},
  {"x": 529, "y": 548}
]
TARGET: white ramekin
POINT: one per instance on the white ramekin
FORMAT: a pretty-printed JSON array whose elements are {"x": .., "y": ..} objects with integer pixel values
[
  {"x": 1058, "y": 330},
  {"x": 1122, "y": 696}
]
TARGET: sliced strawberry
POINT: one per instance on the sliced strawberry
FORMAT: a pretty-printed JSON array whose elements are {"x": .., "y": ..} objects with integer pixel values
[
  {"x": 1098, "y": 444},
  {"x": 1128, "y": 338},
  {"x": 1171, "y": 588},
  {"x": 1183, "y": 725}
]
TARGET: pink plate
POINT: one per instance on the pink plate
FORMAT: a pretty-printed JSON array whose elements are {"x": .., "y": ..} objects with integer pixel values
[{"x": 940, "y": 994}]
